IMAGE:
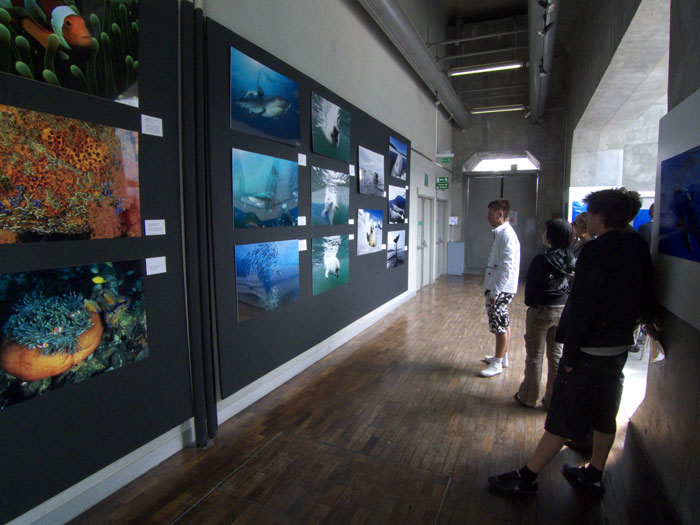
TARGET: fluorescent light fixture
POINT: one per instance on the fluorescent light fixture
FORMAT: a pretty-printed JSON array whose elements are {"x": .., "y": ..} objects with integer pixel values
[
  {"x": 497, "y": 109},
  {"x": 485, "y": 68}
]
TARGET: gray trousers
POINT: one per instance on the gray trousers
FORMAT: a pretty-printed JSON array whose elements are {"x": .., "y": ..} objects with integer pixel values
[{"x": 540, "y": 328}]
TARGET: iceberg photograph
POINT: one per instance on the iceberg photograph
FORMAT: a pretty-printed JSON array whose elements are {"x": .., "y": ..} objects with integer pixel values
[
  {"x": 330, "y": 197},
  {"x": 371, "y": 172},
  {"x": 369, "y": 231},
  {"x": 267, "y": 276},
  {"x": 265, "y": 190},
  {"x": 330, "y": 128},
  {"x": 398, "y": 158},
  {"x": 330, "y": 259},
  {"x": 263, "y": 102},
  {"x": 397, "y": 204},
  {"x": 395, "y": 248}
]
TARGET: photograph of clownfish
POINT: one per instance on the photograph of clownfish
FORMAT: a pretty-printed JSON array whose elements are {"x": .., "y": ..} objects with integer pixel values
[
  {"x": 330, "y": 128},
  {"x": 65, "y": 179},
  {"x": 263, "y": 102},
  {"x": 65, "y": 325},
  {"x": 85, "y": 45}
]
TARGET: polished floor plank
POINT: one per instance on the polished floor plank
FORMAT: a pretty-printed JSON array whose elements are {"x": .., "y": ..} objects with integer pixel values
[{"x": 395, "y": 426}]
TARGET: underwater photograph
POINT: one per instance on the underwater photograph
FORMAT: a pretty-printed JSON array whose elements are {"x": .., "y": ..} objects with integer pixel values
[
  {"x": 395, "y": 248},
  {"x": 397, "y": 204},
  {"x": 84, "y": 45},
  {"x": 267, "y": 276},
  {"x": 330, "y": 129},
  {"x": 371, "y": 172},
  {"x": 330, "y": 262},
  {"x": 64, "y": 179},
  {"x": 398, "y": 158},
  {"x": 330, "y": 197},
  {"x": 265, "y": 190},
  {"x": 679, "y": 223},
  {"x": 65, "y": 325},
  {"x": 370, "y": 225},
  {"x": 263, "y": 102}
]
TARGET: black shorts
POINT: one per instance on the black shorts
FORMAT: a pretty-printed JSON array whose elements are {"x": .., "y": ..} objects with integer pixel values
[{"x": 587, "y": 397}]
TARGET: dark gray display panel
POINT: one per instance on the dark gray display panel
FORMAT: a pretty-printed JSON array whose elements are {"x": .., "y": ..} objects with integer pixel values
[
  {"x": 54, "y": 440},
  {"x": 250, "y": 348}
]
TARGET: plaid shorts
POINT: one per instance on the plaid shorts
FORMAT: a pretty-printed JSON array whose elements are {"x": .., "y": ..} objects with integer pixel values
[{"x": 498, "y": 312}]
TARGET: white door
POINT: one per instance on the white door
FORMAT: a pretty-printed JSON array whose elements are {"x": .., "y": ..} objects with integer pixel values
[
  {"x": 425, "y": 242},
  {"x": 441, "y": 237}
]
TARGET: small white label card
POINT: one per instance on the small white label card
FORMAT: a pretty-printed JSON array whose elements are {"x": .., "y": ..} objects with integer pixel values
[
  {"x": 352, "y": 236},
  {"x": 352, "y": 170},
  {"x": 301, "y": 220},
  {"x": 351, "y": 221},
  {"x": 302, "y": 159},
  {"x": 154, "y": 227},
  {"x": 155, "y": 265},
  {"x": 151, "y": 125},
  {"x": 385, "y": 194},
  {"x": 302, "y": 245},
  {"x": 406, "y": 188},
  {"x": 383, "y": 246}
]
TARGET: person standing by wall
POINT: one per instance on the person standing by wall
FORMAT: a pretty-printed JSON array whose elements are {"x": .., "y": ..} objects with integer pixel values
[
  {"x": 546, "y": 292},
  {"x": 500, "y": 282},
  {"x": 611, "y": 293}
]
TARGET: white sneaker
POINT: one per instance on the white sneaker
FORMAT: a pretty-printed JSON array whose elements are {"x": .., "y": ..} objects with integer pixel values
[
  {"x": 493, "y": 369},
  {"x": 490, "y": 358}
]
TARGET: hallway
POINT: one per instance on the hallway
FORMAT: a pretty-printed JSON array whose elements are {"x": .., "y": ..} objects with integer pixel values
[{"x": 393, "y": 427}]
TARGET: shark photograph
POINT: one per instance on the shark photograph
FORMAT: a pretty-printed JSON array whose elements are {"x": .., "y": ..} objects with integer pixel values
[{"x": 263, "y": 101}]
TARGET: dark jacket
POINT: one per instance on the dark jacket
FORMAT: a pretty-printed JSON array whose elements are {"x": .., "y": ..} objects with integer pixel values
[
  {"x": 611, "y": 293},
  {"x": 547, "y": 281}
]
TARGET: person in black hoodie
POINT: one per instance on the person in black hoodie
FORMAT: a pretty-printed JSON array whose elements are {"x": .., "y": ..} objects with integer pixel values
[
  {"x": 610, "y": 295},
  {"x": 546, "y": 291}
]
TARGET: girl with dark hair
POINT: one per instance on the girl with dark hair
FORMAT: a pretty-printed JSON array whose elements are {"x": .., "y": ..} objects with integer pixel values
[{"x": 546, "y": 292}]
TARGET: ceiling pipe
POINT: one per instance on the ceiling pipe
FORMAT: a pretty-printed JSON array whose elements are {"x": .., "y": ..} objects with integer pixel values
[
  {"x": 541, "y": 53},
  {"x": 394, "y": 22}
]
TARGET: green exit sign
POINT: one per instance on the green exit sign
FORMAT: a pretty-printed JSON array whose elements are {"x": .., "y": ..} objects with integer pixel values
[
  {"x": 442, "y": 183},
  {"x": 446, "y": 160}
]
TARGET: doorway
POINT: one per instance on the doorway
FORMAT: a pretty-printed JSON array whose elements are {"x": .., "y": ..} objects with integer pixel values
[
  {"x": 425, "y": 242},
  {"x": 521, "y": 190},
  {"x": 441, "y": 237}
]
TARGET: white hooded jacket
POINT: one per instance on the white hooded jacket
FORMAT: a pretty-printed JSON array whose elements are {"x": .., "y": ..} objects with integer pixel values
[{"x": 503, "y": 264}]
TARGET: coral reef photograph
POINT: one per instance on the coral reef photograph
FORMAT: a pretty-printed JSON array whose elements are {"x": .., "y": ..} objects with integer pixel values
[
  {"x": 84, "y": 45},
  {"x": 330, "y": 197},
  {"x": 330, "y": 128},
  {"x": 330, "y": 262},
  {"x": 265, "y": 190},
  {"x": 398, "y": 158},
  {"x": 267, "y": 276},
  {"x": 263, "y": 102},
  {"x": 63, "y": 179},
  {"x": 371, "y": 172},
  {"x": 65, "y": 325}
]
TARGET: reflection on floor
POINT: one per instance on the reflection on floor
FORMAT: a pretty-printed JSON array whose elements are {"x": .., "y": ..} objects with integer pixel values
[{"x": 393, "y": 427}]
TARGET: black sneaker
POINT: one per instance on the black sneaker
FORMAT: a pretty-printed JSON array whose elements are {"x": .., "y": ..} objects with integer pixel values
[
  {"x": 512, "y": 483},
  {"x": 577, "y": 476}
]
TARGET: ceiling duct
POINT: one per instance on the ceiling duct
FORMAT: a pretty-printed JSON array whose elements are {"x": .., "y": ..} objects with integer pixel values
[
  {"x": 542, "y": 29},
  {"x": 394, "y": 22}
]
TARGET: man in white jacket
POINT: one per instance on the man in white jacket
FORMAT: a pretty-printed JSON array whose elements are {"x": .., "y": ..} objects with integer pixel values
[{"x": 500, "y": 283}]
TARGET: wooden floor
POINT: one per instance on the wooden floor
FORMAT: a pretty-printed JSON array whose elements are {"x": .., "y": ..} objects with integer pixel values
[{"x": 393, "y": 427}]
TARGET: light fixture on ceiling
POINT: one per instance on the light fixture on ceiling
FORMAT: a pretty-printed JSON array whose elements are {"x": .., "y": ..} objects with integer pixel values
[
  {"x": 497, "y": 109},
  {"x": 547, "y": 6},
  {"x": 485, "y": 68},
  {"x": 543, "y": 32}
]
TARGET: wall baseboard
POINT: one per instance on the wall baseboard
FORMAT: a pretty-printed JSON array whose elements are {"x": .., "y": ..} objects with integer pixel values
[{"x": 75, "y": 500}]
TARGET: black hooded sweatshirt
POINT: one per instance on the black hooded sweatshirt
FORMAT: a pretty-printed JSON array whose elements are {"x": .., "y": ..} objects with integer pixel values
[{"x": 547, "y": 281}]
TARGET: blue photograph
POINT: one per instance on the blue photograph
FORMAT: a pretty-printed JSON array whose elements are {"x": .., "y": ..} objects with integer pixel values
[
  {"x": 265, "y": 190},
  {"x": 330, "y": 197},
  {"x": 679, "y": 223},
  {"x": 267, "y": 277},
  {"x": 263, "y": 101},
  {"x": 370, "y": 225},
  {"x": 330, "y": 260},
  {"x": 396, "y": 249},
  {"x": 397, "y": 205},
  {"x": 330, "y": 128},
  {"x": 371, "y": 172},
  {"x": 398, "y": 158}
]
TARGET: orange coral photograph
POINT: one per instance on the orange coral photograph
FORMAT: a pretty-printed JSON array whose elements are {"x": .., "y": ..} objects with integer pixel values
[{"x": 64, "y": 179}]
